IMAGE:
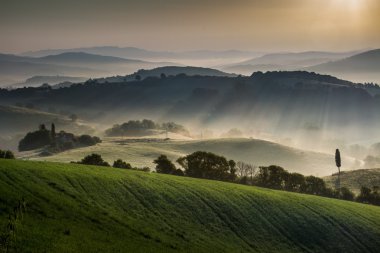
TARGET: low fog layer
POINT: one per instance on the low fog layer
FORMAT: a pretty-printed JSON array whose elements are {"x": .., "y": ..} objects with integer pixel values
[{"x": 297, "y": 109}]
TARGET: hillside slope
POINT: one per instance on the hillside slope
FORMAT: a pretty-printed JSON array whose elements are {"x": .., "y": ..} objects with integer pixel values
[
  {"x": 17, "y": 121},
  {"x": 142, "y": 152},
  {"x": 295, "y": 105},
  {"x": 363, "y": 67},
  {"x": 72, "y": 63},
  {"x": 166, "y": 70},
  {"x": 76, "y": 208},
  {"x": 284, "y": 61},
  {"x": 355, "y": 179}
]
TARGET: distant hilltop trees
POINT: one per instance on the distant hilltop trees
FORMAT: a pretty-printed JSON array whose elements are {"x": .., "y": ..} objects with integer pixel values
[
  {"x": 54, "y": 142},
  {"x": 145, "y": 127},
  {"x": 6, "y": 154}
]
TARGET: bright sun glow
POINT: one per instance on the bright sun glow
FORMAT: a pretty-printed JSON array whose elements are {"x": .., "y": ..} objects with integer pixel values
[{"x": 349, "y": 3}]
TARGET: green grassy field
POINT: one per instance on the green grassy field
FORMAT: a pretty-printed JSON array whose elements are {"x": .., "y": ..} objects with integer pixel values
[
  {"x": 142, "y": 152},
  {"x": 78, "y": 208},
  {"x": 355, "y": 179}
]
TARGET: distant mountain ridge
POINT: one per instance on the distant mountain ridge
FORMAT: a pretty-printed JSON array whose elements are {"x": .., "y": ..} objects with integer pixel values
[
  {"x": 139, "y": 53},
  {"x": 72, "y": 57},
  {"x": 13, "y": 67},
  {"x": 364, "y": 67},
  {"x": 285, "y": 61}
]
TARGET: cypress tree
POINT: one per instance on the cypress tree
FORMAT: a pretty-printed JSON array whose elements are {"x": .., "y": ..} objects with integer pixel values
[{"x": 338, "y": 163}]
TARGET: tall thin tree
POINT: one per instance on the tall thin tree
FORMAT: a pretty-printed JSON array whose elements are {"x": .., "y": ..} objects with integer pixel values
[
  {"x": 53, "y": 130},
  {"x": 338, "y": 163}
]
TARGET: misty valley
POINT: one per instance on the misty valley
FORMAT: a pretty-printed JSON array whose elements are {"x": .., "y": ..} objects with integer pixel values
[
  {"x": 279, "y": 129},
  {"x": 190, "y": 126}
]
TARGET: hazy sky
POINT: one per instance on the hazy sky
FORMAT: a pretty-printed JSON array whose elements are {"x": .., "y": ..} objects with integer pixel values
[{"x": 264, "y": 25}]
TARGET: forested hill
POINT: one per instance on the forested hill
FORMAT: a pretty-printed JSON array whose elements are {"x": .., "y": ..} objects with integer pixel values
[{"x": 275, "y": 100}]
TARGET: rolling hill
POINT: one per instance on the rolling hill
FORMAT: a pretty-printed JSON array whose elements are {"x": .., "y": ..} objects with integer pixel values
[
  {"x": 139, "y": 53},
  {"x": 142, "y": 152},
  {"x": 70, "y": 64},
  {"x": 299, "y": 106},
  {"x": 363, "y": 67},
  {"x": 168, "y": 71},
  {"x": 80, "y": 58},
  {"x": 51, "y": 80},
  {"x": 355, "y": 179},
  {"x": 17, "y": 121},
  {"x": 284, "y": 61},
  {"x": 77, "y": 208}
]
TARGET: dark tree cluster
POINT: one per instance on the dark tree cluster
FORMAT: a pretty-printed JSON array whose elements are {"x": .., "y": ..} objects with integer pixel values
[
  {"x": 96, "y": 159},
  {"x": 55, "y": 142},
  {"x": 144, "y": 127},
  {"x": 369, "y": 196},
  {"x": 165, "y": 166},
  {"x": 211, "y": 166},
  {"x": 37, "y": 139},
  {"x": 207, "y": 165},
  {"x": 276, "y": 177},
  {"x": 121, "y": 164},
  {"x": 200, "y": 165},
  {"x": 6, "y": 154}
]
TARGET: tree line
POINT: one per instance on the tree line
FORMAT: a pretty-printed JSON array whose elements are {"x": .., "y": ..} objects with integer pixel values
[
  {"x": 96, "y": 159},
  {"x": 207, "y": 165},
  {"x": 211, "y": 166},
  {"x": 145, "y": 127}
]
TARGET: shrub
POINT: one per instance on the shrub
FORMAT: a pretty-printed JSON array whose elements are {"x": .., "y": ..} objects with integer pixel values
[
  {"x": 345, "y": 193},
  {"x": 94, "y": 159},
  {"x": 121, "y": 164},
  {"x": 88, "y": 140}
]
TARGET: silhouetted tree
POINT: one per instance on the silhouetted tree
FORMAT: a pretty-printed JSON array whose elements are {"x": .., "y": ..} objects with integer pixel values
[
  {"x": 52, "y": 130},
  {"x": 34, "y": 140},
  {"x": 208, "y": 165},
  {"x": 338, "y": 163},
  {"x": 232, "y": 171},
  {"x": 94, "y": 159},
  {"x": 138, "y": 77},
  {"x": 314, "y": 185},
  {"x": 272, "y": 177},
  {"x": 294, "y": 182},
  {"x": 245, "y": 172},
  {"x": 6, "y": 154},
  {"x": 345, "y": 193},
  {"x": 178, "y": 172},
  {"x": 164, "y": 165},
  {"x": 365, "y": 195},
  {"x": 88, "y": 140},
  {"x": 121, "y": 164}
]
